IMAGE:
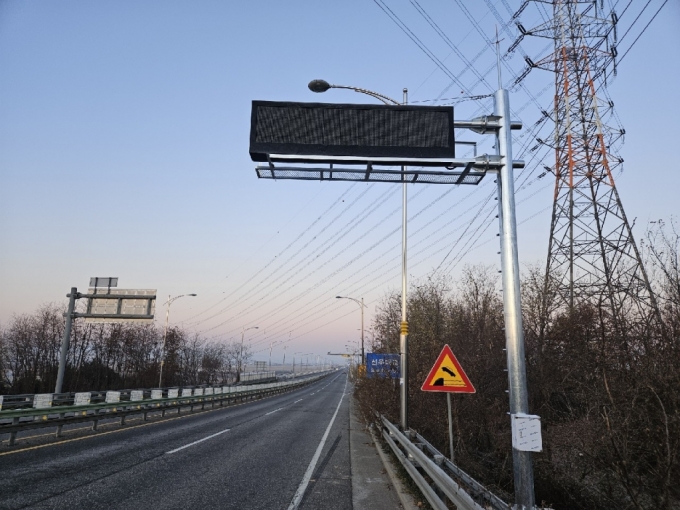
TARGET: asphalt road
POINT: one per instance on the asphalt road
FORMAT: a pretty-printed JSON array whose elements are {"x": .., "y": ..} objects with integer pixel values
[{"x": 286, "y": 451}]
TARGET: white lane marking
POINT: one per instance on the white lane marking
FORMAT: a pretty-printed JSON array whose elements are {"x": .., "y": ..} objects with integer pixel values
[
  {"x": 312, "y": 465},
  {"x": 298, "y": 401},
  {"x": 272, "y": 412},
  {"x": 196, "y": 442}
]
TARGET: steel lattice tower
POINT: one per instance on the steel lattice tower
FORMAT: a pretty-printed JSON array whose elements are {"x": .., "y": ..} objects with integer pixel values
[{"x": 592, "y": 255}]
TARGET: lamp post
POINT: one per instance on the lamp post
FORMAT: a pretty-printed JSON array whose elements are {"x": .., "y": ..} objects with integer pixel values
[
  {"x": 165, "y": 335},
  {"x": 362, "y": 306},
  {"x": 305, "y": 354},
  {"x": 271, "y": 344},
  {"x": 323, "y": 86},
  {"x": 240, "y": 359},
  {"x": 294, "y": 354}
]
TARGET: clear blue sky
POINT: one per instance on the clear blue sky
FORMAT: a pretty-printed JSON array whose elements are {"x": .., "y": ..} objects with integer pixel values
[{"x": 124, "y": 152}]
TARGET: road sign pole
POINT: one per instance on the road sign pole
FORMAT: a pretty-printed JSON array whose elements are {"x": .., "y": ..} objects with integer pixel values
[
  {"x": 514, "y": 335},
  {"x": 67, "y": 337},
  {"x": 448, "y": 402}
]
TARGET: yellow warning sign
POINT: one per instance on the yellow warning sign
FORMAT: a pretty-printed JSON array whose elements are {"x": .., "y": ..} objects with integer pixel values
[{"x": 447, "y": 375}]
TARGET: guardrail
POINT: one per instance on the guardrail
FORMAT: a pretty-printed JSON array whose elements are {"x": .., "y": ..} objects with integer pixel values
[
  {"x": 446, "y": 480},
  {"x": 133, "y": 402}
]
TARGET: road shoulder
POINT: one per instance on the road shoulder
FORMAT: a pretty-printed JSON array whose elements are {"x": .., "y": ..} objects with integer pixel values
[{"x": 374, "y": 484}]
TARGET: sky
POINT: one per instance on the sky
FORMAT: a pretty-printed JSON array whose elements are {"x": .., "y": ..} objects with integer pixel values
[{"x": 124, "y": 130}]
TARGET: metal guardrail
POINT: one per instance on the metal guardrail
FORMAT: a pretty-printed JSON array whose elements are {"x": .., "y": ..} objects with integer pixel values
[
  {"x": 438, "y": 478},
  {"x": 25, "y": 400},
  {"x": 65, "y": 413}
]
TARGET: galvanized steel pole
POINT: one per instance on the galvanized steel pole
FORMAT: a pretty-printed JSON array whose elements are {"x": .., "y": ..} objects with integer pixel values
[
  {"x": 323, "y": 86},
  {"x": 512, "y": 307},
  {"x": 165, "y": 336},
  {"x": 403, "y": 336},
  {"x": 363, "y": 355},
  {"x": 67, "y": 338}
]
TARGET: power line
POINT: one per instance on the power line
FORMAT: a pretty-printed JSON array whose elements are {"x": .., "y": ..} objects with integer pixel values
[{"x": 643, "y": 31}]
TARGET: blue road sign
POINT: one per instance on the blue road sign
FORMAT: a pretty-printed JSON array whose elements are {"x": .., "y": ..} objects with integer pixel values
[{"x": 383, "y": 365}]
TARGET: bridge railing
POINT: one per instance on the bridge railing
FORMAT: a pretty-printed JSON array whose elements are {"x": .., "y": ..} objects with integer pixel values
[{"x": 44, "y": 410}]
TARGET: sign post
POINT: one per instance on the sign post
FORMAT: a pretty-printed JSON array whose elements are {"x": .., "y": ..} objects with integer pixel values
[
  {"x": 364, "y": 143},
  {"x": 120, "y": 305},
  {"x": 446, "y": 375}
]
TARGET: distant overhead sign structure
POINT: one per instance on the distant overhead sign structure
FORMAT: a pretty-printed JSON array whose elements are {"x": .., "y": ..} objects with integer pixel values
[
  {"x": 447, "y": 375},
  {"x": 105, "y": 304}
]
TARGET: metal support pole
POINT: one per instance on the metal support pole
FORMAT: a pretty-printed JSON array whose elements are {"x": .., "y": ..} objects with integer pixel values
[
  {"x": 67, "y": 338},
  {"x": 363, "y": 355},
  {"x": 403, "y": 337},
  {"x": 512, "y": 308},
  {"x": 448, "y": 402},
  {"x": 165, "y": 336}
]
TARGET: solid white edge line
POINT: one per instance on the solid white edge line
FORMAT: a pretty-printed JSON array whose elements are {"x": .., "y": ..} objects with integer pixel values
[
  {"x": 196, "y": 442},
  {"x": 310, "y": 469}
]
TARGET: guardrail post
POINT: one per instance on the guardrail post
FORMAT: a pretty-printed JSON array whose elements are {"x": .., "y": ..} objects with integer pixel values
[
  {"x": 13, "y": 434},
  {"x": 60, "y": 427}
]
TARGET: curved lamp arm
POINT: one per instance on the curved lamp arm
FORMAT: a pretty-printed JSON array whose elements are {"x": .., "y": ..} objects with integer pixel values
[{"x": 322, "y": 86}]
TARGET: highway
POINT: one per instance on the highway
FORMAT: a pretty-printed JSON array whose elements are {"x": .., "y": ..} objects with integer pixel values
[{"x": 286, "y": 451}]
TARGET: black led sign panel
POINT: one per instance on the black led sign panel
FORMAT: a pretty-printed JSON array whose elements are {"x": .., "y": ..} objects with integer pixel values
[{"x": 330, "y": 133}]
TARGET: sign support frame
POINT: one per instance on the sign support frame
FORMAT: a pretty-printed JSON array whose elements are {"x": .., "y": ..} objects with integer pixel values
[{"x": 71, "y": 314}]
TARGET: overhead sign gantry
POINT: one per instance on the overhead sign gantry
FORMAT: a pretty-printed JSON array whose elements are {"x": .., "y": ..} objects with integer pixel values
[{"x": 369, "y": 141}]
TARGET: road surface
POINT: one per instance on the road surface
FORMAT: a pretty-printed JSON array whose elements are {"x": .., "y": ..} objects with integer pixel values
[{"x": 286, "y": 451}]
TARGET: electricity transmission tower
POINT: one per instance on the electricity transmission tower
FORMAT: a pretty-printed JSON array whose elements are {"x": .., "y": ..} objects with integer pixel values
[{"x": 592, "y": 255}]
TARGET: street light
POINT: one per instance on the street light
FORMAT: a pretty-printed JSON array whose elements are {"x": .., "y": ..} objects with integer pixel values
[
  {"x": 362, "y": 306},
  {"x": 323, "y": 86},
  {"x": 294, "y": 354},
  {"x": 271, "y": 344},
  {"x": 165, "y": 335},
  {"x": 240, "y": 360},
  {"x": 305, "y": 354}
]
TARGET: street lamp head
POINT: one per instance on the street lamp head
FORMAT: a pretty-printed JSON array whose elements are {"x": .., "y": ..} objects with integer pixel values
[
  {"x": 338, "y": 297},
  {"x": 193, "y": 295},
  {"x": 319, "y": 85}
]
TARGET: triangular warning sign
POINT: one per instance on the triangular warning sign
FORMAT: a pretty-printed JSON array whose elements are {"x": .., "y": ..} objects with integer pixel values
[{"x": 447, "y": 375}]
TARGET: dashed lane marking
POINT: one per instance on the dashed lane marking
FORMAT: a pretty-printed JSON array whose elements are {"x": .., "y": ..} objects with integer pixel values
[{"x": 196, "y": 442}]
